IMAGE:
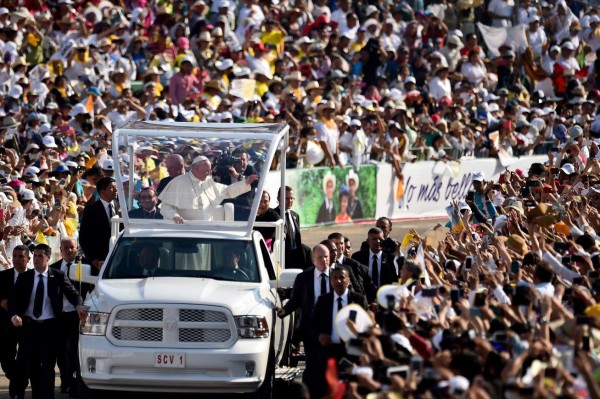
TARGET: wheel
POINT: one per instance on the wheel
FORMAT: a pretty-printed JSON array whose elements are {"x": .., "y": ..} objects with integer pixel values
[{"x": 266, "y": 389}]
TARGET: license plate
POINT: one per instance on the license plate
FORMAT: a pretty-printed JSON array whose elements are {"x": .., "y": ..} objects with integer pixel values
[{"x": 169, "y": 360}]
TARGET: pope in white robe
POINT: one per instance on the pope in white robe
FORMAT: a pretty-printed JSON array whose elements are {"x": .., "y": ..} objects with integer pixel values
[{"x": 193, "y": 195}]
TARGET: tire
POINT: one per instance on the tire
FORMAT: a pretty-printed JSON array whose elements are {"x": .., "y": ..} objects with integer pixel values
[{"x": 265, "y": 391}]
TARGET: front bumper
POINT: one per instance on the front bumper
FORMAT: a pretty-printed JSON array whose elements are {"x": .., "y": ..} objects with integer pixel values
[{"x": 206, "y": 370}]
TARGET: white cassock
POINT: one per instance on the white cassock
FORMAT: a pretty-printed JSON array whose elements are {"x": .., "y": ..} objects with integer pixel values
[{"x": 193, "y": 199}]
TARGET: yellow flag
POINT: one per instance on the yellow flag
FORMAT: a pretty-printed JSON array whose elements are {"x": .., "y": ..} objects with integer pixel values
[
  {"x": 400, "y": 190},
  {"x": 78, "y": 271},
  {"x": 40, "y": 238}
]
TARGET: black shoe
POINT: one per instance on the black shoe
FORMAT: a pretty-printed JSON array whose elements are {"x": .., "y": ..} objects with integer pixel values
[{"x": 64, "y": 388}]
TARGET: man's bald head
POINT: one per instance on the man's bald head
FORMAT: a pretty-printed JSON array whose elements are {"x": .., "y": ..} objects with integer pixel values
[
  {"x": 175, "y": 165},
  {"x": 321, "y": 257}
]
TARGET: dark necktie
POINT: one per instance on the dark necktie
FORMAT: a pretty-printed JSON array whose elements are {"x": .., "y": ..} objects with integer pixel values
[
  {"x": 290, "y": 229},
  {"x": 323, "y": 284},
  {"x": 340, "y": 304},
  {"x": 111, "y": 211},
  {"x": 69, "y": 268},
  {"x": 38, "y": 302},
  {"x": 375, "y": 272}
]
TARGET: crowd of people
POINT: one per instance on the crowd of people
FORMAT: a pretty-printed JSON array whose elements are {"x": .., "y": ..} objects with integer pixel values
[
  {"x": 503, "y": 305},
  {"x": 500, "y": 302}
]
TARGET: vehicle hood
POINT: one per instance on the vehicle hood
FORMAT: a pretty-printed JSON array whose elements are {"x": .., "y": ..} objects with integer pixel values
[{"x": 240, "y": 298}]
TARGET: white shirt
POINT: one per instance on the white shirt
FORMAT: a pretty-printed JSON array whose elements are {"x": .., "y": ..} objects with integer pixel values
[
  {"x": 545, "y": 289},
  {"x": 504, "y": 9},
  {"x": 106, "y": 208},
  {"x": 335, "y": 338},
  {"x": 439, "y": 88},
  {"x": 47, "y": 312},
  {"x": 378, "y": 265},
  {"x": 474, "y": 73},
  {"x": 537, "y": 40},
  {"x": 317, "y": 283},
  {"x": 67, "y": 306}
]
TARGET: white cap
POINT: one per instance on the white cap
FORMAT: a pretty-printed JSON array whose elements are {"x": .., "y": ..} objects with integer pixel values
[
  {"x": 568, "y": 45},
  {"x": 410, "y": 79},
  {"x": 355, "y": 122},
  {"x": 27, "y": 195},
  {"x": 568, "y": 168},
  {"x": 3, "y": 10},
  {"x": 78, "y": 109},
  {"x": 478, "y": 176},
  {"x": 48, "y": 142},
  {"x": 108, "y": 164}
]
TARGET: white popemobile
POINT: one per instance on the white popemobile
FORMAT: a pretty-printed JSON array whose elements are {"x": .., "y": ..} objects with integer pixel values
[{"x": 188, "y": 307}]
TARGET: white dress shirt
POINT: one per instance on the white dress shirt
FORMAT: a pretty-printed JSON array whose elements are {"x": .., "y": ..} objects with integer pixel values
[
  {"x": 317, "y": 283},
  {"x": 47, "y": 312},
  {"x": 106, "y": 206},
  {"x": 67, "y": 306},
  {"x": 335, "y": 338},
  {"x": 15, "y": 275}
]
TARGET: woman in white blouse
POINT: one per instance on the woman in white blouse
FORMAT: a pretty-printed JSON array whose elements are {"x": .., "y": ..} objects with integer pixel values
[
  {"x": 440, "y": 86},
  {"x": 474, "y": 70}
]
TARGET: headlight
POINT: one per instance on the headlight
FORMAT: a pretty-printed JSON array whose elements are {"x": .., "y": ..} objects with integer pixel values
[
  {"x": 95, "y": 324},
  {"x": 252, "y": 327}
]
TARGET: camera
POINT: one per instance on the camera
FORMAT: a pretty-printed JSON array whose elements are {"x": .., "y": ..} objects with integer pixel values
[{"x": 223, "y": 163}]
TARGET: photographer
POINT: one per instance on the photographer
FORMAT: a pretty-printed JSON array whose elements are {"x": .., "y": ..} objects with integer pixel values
[{"x": 234, "y": 168}]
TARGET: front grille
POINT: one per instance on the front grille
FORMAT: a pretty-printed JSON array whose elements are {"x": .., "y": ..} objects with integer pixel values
[
  {"x": 143, "y": 314},
  {"x": 198, "y": 315},
  {"x": 203, "y": 335},
  {"x": 172, "y": 325},
  {"x": 147, "y": 334}
]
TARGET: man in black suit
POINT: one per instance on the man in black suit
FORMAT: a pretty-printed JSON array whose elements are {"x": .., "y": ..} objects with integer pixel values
[
  {"x": 381, "y": 265},
  {"x": 148, "y": 209},
  {"x": 294, "y": 252},
  {"x": 333, "y": 263},
  {"x": 35, "y": 305},
  {"x": 94, "y": 234},
  {"x": 360, "y": 271},
  {"x": 10, "y": 336},
  {"x": 308, "y": 286},
  {"x": 68, "y": 337},
  {"x": 327, "y": 307},
  {"x": 329, "y": 343}
]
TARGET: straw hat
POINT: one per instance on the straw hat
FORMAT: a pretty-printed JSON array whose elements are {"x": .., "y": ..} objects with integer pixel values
[
  {"x": 295, "y": 75},
  {"x": 329, "y": 177},
  {"x": 313, "y": 84},
  {"x": 151, "y": 71},
  {"x": 213, "y": 84},
  {"x": 352, "y": 176},
  {"x": 327, "y": 105},
  {"x": 456, "y": 125}
]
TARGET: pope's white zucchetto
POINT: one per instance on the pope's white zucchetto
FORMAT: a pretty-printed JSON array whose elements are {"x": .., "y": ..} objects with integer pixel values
[{"x": 198, "y": 159}]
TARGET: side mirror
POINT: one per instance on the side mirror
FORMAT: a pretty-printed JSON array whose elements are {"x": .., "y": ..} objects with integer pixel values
[{"x": 84, "y": 275}]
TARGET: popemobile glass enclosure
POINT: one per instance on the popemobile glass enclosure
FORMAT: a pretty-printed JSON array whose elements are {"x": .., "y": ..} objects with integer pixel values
[{"x": 142, "y": 148}]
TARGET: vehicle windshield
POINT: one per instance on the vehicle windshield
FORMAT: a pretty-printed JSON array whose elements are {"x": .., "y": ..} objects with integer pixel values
[{"x": 183, "y": 257}]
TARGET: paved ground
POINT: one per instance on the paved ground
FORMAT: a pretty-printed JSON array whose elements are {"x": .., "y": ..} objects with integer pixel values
[{"x": 356, "y": 233}]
